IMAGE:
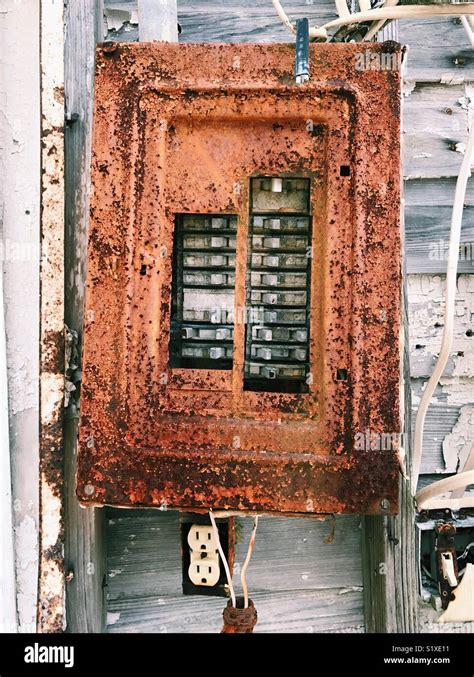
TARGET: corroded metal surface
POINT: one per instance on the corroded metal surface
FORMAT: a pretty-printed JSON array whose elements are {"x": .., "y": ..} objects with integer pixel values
[{"x": 180, "y": 129}]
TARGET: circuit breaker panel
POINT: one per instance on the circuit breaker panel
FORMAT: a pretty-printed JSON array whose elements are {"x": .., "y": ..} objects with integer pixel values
[{"x": 241, "y": 343}]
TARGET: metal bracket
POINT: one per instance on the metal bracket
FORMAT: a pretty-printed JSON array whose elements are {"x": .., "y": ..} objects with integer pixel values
[{"x": 302, "y": 51}]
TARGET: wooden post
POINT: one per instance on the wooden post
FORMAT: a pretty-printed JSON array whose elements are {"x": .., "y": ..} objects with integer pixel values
[
  {"x": 85, "y": 556},
  {"x": 158, "y": 20}
]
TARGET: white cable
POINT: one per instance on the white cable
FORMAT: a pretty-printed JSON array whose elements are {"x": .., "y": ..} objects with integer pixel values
[
  {"x": 451, "y": 273},
  {"x": 426, "y": 497},
  {"x": 378, "y": 25},
  {"x": 223, "y": 558},
  {"x": 243, "y": 573},
  {"x": 467, "y": 27},
  {"x": 381, "y": 13},
  {"x": 283, "y": 16}
]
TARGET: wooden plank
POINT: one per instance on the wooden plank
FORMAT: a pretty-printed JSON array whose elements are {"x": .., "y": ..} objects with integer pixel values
[
  {"x": 143, "y": 554},
  {"x": 434, "y": 123},
  {"x": 158, "y": 20},
  {"x": 439, "y": 50},
  {"x": 427, "y": 231},
  {"x": 85, "y": 539},
  {"x": 434, "y": 193},
  {"x": 278, "y": 611},
  {"x": 305, "y": 554}
]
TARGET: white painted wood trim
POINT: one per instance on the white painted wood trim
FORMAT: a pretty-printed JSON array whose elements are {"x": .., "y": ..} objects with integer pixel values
[{"x": 158, "y": 20}]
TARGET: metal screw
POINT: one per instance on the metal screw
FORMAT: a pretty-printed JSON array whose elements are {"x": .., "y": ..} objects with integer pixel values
[
  {"x": 109, "y": 47},
  {"x": 89, "y": 490},
  {"x": 385, "y": 504}
]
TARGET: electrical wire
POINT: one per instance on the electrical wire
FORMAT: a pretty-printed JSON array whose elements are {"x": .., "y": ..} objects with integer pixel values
[
  {"x": 284, "y": 17},
  {"x": 466, "y": 551},
  {"x": 451, "y": 276},
  {"x": 379, "y": 14},
  {"x": 243, "y": 573},
  {"x": 223, "y": 558},
  {"x": 426, "y": 497}
]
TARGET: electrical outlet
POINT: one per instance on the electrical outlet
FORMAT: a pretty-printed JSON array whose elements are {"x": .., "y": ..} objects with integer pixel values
[
  {"x": 201, "y": 538},
  {"x": 204, "y": 568},
  {"x": 199, "y": 549}
]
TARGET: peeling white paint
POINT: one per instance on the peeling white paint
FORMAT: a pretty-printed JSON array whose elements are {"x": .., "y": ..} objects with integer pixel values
[
  {"x": 451, "y": 79},
  {"x": 457, "y": 445},
  {"x": 112, "y": 618},
  {"x": 26, "y": 534},
  {"x": 120, "y": 19}
]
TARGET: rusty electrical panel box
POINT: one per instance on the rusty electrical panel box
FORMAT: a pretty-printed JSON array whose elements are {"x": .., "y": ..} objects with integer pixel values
[{"x": 242, "y": 322}]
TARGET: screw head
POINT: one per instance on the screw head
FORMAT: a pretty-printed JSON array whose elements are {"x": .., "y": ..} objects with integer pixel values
[
  {"x": 385, "y": 504},
  {"x": 89, "y": 490}
]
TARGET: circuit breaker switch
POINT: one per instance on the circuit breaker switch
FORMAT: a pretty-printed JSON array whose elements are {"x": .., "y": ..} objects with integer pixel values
[{"x": 447, "y": 565}]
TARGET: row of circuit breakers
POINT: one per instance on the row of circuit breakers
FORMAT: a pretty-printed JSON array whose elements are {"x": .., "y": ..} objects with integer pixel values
[{"x": 277, "y": 289}]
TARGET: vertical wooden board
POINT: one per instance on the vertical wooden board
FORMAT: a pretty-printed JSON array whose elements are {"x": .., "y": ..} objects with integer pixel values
[
  {"x": 435, "y": 126},
  {"x": 85, "y": 553}
]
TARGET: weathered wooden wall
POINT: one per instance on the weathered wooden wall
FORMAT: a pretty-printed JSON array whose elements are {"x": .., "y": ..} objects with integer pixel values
[{"x": 299, "y": 580}]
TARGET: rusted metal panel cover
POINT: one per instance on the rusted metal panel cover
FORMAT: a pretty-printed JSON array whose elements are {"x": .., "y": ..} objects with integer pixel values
[{"x": 242, "y": 323}]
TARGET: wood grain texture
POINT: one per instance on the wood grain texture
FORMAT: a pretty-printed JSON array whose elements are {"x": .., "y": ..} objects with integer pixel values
[
  {"x": 85, "y": 536},
  {"x": 279, "y": 611}
]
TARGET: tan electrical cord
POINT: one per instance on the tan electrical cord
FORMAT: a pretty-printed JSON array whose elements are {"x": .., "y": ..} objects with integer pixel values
[
  {"x": 243, "y": 573},
  {"x": 378, "y": 15},
  {"x": 223, "y": 558}
]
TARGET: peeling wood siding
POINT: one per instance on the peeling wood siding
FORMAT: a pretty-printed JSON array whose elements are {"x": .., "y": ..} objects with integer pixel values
[
  {"x": 51, "y": 577},
  {"x": 19, "y": 249}
]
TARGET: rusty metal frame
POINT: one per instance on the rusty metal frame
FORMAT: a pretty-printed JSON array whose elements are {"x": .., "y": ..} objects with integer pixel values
[{"x": 151, "y": 436}]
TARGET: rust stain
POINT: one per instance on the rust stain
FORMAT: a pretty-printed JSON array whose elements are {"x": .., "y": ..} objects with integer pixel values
[{"x": 172, "y": 139}]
